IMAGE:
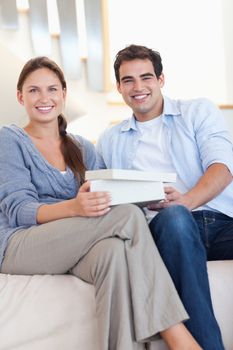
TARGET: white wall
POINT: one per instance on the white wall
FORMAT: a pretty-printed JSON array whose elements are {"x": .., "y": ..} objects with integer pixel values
[
  {"x": 175, "y": 30},
  {"x": 194, "y": 39}
]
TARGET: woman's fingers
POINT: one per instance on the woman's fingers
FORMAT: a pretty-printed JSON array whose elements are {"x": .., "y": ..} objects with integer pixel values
[{"x": 93, "y": 203}]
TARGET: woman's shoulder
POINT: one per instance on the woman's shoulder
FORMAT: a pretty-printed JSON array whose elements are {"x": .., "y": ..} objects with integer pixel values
[
  {"x": 83, "y": 142},
  {"x": 11, "y": 131}
]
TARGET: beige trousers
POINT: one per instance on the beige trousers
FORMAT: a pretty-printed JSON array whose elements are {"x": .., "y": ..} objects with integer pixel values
[{"x": 135, "y": 296}]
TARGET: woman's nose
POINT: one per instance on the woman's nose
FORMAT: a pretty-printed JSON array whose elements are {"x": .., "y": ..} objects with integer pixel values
[{"x": 43, "y": 96}]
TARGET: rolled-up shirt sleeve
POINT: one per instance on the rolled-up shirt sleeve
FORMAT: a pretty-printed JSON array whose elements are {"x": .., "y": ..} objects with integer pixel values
[{"x": 213, "y": 139}]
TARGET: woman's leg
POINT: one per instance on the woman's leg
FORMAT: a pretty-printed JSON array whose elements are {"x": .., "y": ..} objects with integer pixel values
[
  {"x": 105, "y": 266},
  {"x": 58, "y": 246}
]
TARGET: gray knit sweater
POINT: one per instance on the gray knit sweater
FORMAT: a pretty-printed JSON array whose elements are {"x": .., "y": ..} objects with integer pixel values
[{"x": 27, "y": 180}]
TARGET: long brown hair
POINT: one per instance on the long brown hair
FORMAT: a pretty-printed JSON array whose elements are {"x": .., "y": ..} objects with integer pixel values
[{"x": 70, "y": 148}]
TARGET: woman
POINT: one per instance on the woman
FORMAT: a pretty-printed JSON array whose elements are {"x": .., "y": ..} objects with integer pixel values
[{"x": 50, "y": 223}]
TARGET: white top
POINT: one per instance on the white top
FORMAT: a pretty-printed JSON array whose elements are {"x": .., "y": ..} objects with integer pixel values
[{"x": 152, "y": 153}]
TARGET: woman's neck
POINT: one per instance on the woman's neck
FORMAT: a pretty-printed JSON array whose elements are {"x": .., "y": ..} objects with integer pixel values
[{"x": 42, "y": 131}]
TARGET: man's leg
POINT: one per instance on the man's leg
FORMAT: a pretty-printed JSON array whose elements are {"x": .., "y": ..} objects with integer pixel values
[
  {"x": 179, "y": 242},
  {"x": 217, "y": 231}
]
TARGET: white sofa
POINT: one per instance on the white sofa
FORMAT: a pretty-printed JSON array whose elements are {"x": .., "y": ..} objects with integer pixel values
[{"x": 58, "y": 312}]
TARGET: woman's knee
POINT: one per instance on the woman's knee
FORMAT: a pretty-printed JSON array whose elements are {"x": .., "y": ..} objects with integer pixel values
[
  {"x": 128, "y": 211},
  {"x": 110, "y": 249},
  {"x": 130, "y": 218},
  {"x": 107, "y": 258}
]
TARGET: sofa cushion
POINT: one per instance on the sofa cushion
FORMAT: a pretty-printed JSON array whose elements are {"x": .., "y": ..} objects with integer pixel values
[{"x": 47, "y": 312}]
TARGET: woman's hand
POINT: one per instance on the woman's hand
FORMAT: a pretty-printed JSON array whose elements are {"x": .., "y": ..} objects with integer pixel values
[{"x": 91, "y": 203}]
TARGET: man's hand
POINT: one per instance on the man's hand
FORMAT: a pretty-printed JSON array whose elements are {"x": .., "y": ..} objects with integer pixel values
[
  {"x": 215, "y": 179},
  {"x": 172, "y": 197}
]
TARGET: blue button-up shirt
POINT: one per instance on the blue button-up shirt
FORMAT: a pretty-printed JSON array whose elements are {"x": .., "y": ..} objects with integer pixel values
[{"x": 196, "y": 136}]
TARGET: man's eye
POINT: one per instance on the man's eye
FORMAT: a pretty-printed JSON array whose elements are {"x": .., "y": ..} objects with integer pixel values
[
  {"x": 53, "y": 89},
  {"x": 127, "y": 81},
  {"x": 147, "y": 78},
  {"x": 32, "y": 90}
]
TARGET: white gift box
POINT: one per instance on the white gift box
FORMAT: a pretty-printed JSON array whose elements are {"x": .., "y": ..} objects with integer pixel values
[{"x": 130, "y": 186}]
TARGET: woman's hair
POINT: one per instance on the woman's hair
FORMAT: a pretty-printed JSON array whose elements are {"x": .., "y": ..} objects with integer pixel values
[
  {"x": 133, "y": 52},
  {"x": 70, "y": 148}
]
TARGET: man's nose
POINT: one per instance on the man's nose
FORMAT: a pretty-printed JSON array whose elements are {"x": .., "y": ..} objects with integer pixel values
[{"x": 138, "y": 85}]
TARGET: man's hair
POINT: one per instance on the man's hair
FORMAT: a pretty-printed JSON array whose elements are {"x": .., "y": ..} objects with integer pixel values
[{"x": 133, "y": 52}]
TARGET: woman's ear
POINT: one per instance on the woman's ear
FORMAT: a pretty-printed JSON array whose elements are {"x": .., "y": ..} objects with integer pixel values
[
  {"x": 64, "y": 93},
  {"x": 20, "y": 97}
]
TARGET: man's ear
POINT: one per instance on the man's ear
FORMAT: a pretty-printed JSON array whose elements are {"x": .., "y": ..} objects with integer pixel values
[
  {"x": 161, "y": 80},
  {"x": 20, "y": 97},
  {"x": 118, "y": 85}
]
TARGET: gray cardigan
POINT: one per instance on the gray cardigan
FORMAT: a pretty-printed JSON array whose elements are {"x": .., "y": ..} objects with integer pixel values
[{"x": 27, "y": 181}]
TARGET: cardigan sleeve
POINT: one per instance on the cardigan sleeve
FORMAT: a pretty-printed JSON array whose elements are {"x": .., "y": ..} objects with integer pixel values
[{"x": 18, "y": 196}]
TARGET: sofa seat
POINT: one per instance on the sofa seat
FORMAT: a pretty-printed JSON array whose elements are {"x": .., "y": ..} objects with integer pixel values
[
  {"x": 58, "y": 312},
  {"x": 47, "y": 313}
]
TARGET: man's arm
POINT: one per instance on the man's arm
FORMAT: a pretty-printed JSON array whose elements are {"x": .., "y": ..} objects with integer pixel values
[{"x": 216, "y": 178}]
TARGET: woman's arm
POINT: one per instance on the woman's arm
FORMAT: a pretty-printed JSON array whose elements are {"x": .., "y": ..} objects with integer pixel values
[
  {"x": 18, "y": 196},
  {"x": 86, "y": 203}
]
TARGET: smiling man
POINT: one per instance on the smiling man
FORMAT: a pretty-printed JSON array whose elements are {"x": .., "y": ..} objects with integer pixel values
[{"x": 195, "y": 222}]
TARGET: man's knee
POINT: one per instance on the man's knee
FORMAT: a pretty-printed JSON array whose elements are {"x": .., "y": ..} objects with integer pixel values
[{"x": 175, "y": 223}]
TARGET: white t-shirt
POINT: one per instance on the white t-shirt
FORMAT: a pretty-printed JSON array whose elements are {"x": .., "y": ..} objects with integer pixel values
[{"x": 152, "y": 154}]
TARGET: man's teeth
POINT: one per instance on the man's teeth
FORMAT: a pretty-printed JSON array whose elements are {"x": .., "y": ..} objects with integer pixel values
[{"x": 140, "y": 97}]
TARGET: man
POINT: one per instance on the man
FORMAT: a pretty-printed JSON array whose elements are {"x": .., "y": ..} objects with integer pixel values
[{"x": 195, "y": 222}]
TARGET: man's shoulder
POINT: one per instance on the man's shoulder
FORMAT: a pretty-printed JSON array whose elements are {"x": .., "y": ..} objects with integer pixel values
[
  {"x": 197, "y": 108},
  {"x": 200, "y": 102}
]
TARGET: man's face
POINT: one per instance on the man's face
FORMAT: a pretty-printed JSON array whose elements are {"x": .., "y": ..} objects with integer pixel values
[{"x": 140, "y": 88}]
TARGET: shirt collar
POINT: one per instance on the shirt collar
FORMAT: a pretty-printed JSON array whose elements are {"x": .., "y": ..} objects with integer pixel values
[
  {"x": 170, "y": 108},
  {"x": 129, "y": 124}
]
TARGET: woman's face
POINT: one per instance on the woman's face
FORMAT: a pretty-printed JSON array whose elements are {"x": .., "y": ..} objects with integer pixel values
[{"x": 42, "y": 96}]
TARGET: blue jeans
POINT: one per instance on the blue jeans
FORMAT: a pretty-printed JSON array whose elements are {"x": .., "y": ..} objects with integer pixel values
[{"x": 186, "y": 241}]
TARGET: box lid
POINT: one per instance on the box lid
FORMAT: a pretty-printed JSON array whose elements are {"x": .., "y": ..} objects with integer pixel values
[{"x": 134, "y": 175}]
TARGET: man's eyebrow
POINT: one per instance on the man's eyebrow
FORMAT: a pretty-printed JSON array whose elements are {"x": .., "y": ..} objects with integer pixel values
[
  {"x": 126, "y": 77},
  {"x": 147, "y": 75}
]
